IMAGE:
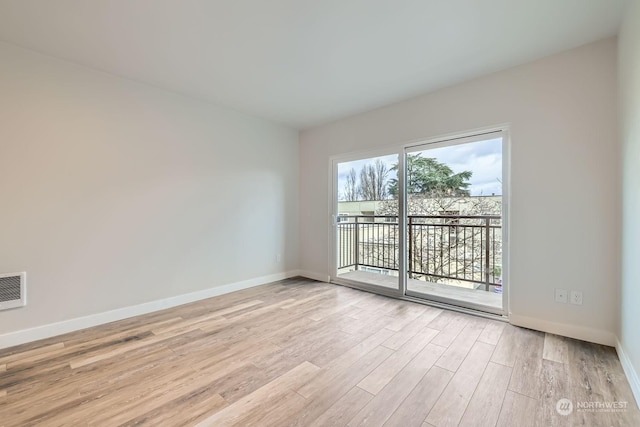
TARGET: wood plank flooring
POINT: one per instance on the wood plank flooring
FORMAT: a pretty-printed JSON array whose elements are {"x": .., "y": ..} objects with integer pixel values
[{"x": 303, "y": 353}]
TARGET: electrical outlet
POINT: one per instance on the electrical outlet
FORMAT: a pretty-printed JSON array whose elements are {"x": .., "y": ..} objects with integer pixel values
[
  {"x": 576, "y": 297},
  {"x": 278, "y": 258},
  {"x": 561, "y": 295}
]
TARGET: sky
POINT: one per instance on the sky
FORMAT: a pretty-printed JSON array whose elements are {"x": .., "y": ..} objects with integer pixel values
[{"x": 483, "y": 158}]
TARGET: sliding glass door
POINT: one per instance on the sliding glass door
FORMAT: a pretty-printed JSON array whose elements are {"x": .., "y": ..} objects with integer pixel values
[{"x": 425, "y": 222}]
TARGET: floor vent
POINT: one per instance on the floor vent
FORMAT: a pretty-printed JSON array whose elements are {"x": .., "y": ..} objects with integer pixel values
[{"x": 13, "y": 289}]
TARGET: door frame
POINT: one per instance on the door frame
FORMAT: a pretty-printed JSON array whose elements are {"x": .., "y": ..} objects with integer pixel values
[{"x": 400, "y": 150}]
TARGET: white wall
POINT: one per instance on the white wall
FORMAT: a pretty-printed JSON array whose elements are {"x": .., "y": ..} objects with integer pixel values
[
  {"x": 564, "y": 183},
  {"x": 629, "y": 78},
  {"x": 114, "y": 193}
]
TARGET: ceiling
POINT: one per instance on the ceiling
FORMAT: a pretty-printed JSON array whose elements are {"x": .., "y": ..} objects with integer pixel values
[{"x": 304, "y": 62}]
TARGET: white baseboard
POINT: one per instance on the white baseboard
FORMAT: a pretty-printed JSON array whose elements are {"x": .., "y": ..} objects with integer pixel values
[
  {"x": 46, "y": 331},
  {"x": 313, "y": 275},
  {"x": 630, "y": 371},
  {"x": 572, "y": 331}
]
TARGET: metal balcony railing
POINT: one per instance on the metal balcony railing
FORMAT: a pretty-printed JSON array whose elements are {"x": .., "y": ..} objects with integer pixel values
[{"x": 441, "y": 248}]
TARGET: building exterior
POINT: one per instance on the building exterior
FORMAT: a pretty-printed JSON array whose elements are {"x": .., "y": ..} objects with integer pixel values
[{"x": 420, "y": 205}]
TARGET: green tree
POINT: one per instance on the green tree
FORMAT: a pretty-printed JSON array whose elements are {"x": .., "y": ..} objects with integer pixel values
[{"x": 427, "y": 176}]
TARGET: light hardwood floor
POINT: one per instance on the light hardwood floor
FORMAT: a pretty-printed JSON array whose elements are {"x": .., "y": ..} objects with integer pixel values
[{"x": 303, "y": 353}]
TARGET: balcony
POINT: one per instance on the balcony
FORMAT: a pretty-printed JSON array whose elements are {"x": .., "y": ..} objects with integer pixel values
[{"x": 450, "y": 257}]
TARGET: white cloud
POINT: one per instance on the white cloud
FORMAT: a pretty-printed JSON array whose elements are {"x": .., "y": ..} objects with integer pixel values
[{"x": 482, "y": 158}]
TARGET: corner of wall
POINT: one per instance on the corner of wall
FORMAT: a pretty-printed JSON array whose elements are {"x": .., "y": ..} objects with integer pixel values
[
  {"x": 314, "y": 276},
  {"x": 629, "y": 370},
  {"x": 628, "y": 343}
]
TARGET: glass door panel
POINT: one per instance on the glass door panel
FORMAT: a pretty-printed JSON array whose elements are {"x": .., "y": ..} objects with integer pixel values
[
  {"x": 454, "y": 211},
  {"x": 366, "y": 228}
]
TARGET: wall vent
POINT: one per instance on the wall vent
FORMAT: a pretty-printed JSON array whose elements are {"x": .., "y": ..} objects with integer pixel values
[{"x": 13, "y": 289}]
